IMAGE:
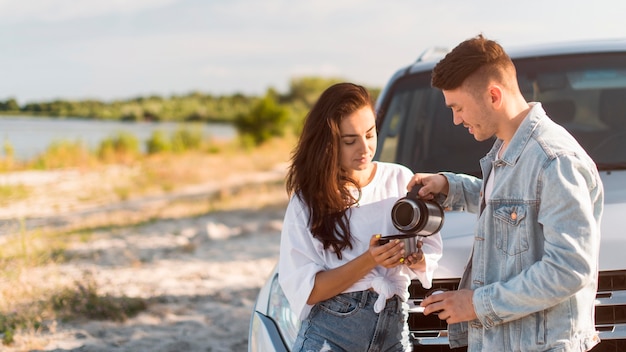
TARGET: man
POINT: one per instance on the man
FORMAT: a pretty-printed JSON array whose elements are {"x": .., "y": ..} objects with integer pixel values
[{"x": 530, "y": 283}]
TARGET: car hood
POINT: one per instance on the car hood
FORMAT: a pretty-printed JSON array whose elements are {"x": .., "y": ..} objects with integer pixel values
[{"x": 458, "y": 231}]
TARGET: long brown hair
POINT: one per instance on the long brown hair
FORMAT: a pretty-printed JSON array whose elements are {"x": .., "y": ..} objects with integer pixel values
[{"x": 315, "y": 173}]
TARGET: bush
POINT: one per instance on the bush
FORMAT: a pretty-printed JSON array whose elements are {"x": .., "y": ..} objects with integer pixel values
[
  {"x": 63, "y": 154},
  {"x": 267, "y": 119},
  {"x": 121, "y": 147},
  {"x": 7, "y": 162},
  {"x": 9, "y": 151},
  {"x": 184, "y": 139},
  {"x": 158, "y": 143}
]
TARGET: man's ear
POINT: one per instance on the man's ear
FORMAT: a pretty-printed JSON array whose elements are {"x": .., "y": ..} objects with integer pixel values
[{"x": 495, "y": 94}]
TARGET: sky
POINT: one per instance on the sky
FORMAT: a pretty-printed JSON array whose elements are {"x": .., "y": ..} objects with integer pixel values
[{"x": 116, "y": 49}]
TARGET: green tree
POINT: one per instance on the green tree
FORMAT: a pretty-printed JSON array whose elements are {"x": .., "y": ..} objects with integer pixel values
[
  {"x": 194, "y": 106},
  {"x": 9, "y": 105},
  {"x": 308, "y": 89},
  {"x": 267, "y": 119}
]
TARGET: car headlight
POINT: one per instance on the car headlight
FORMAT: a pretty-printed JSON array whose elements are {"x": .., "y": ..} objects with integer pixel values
[{"x": 280, "y": 311}]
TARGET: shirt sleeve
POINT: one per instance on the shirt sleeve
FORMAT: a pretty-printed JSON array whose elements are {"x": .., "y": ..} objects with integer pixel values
[
  {"x": 299, "y": 261},
  {"x": 432, "y": 246},
  {"x": 463, "y": 193}
]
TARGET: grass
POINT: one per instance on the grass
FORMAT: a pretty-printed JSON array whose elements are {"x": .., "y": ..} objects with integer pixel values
[
  {"x": 24, "y": 250},
  {"x": 10, "y": 193},
  {"x": 31, "y": 307},
  {"x": 24, "y": 307},
  {"x": 82, "y": 300},
  {"x": 78, "y": 301},
  {"x": 167, "y": 172}
]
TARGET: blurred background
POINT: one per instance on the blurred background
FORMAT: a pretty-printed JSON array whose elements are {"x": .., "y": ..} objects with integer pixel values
[
  {"x": 212, "y": 61},
  {"x": 143, "y": 147},
  {"x": 117, "y": 49}
]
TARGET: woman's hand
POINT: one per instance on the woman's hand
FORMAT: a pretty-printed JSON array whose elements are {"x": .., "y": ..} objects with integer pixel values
[{"x": 388, "y": 255}]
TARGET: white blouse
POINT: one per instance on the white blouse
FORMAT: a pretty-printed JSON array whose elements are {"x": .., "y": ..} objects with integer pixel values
[{"x": 302, "y": 256}]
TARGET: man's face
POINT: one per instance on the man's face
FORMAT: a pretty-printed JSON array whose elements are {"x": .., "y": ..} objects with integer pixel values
[{"x": 474, "y": 113}]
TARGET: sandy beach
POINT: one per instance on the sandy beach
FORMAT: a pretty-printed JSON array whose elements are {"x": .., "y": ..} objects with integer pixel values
[{"x": 200, "y": 274}]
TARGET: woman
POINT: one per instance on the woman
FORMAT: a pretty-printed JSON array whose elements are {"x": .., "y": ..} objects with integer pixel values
[{"x": 349, "y": 291}]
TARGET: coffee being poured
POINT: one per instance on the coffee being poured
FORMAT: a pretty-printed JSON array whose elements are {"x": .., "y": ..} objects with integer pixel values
[{"x": 414, "y": 217}]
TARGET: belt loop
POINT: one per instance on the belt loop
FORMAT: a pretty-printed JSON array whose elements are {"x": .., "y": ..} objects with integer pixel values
[{"x": 364, "y": 297}]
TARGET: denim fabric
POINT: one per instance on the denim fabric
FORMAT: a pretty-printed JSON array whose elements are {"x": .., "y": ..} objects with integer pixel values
[
  {"x": 534, "y": 260},
  {"x": 347, "y": 322}
]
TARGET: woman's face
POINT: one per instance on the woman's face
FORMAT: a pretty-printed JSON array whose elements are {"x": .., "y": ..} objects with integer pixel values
[{"x": 358, "y": 143}]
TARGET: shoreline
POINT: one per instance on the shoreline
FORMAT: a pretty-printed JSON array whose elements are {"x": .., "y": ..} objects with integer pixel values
[{"x": 30, "y": 136}]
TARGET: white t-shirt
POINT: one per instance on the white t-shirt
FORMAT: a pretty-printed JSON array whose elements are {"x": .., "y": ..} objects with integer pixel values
[
  {"x": 302, "y": 256},
  {"x": 492, "y": 176}
]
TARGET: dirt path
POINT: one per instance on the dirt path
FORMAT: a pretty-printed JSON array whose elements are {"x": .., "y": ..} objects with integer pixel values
[{"x": 200, "y": 274}]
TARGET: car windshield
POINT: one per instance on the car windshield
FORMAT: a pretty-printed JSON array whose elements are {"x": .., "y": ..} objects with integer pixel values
[{"x": 586, "y": 94}]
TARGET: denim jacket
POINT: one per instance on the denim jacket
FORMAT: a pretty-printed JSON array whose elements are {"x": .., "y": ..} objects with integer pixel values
[{"x": 534, "y": 260}]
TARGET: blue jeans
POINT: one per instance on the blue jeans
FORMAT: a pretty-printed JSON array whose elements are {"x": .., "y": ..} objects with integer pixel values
[{"x": 347, "y": 322}]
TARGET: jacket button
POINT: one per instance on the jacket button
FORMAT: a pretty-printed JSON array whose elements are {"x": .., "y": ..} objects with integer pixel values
[{"x": 513, "y": 216}]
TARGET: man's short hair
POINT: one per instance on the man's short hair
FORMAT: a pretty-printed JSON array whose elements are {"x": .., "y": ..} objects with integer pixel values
[{"x": 478, "y": 55}]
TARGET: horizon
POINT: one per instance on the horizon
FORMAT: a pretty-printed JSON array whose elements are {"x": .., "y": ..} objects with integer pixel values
[{"x": 119, "y": 50}]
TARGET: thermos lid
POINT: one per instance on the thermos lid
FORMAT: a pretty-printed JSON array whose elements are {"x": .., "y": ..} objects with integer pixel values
[{"x": 399, "y": 236}]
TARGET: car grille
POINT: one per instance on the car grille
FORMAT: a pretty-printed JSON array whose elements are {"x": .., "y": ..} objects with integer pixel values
[{"x": 430, "y": 334}]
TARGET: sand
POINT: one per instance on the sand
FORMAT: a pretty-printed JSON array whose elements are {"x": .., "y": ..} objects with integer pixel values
[{"x": 200, "y": 274}]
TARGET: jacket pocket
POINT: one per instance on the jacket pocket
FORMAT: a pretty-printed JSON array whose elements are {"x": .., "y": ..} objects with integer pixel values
[{"x": 511, "y": 228}]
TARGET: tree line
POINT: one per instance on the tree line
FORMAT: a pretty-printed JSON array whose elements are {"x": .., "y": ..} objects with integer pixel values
[
  {"x": 194, "y": 106},
  {"x": 256, "y": 118}
]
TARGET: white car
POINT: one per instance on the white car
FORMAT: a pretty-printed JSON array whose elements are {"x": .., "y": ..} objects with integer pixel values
[{"x": 582, "y": 86}]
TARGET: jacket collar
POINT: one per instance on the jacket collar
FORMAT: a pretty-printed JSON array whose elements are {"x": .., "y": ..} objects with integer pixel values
[{"x": 521, "y": 137}]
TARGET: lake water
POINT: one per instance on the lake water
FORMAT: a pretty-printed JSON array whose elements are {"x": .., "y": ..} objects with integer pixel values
[{"x": 30, "y": 136}]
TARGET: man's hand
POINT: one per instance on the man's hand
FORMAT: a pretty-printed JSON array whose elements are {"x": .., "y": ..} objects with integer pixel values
[
  {"x": 432, "y": 184},
  {"x": 451, "y": 306}
]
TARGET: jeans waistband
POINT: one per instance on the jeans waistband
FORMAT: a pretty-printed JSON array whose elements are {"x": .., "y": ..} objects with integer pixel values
[{"x": 368, "y": 297}]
